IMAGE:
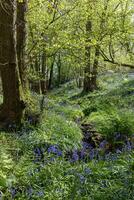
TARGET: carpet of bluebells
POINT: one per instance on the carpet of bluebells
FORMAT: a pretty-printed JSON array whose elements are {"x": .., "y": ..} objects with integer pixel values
[{"x": 53, "y": 161}]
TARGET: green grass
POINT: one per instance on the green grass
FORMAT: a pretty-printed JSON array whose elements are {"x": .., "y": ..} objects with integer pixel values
[
  {"x": 110, "y": 109},
  {"x": 30, "y": 169}
]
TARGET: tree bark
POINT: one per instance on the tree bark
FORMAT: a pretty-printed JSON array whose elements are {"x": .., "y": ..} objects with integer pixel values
[
  {"x": 59, "y": 70},
  {"x": 12, "y": 107},
  {"x": 95, "y": 69},
  {"x": 21, "y": 40},
  {"x": 87, "y": 71},
  {"x": 44, "y": 82},
  {"x": 51, "y": 74}
]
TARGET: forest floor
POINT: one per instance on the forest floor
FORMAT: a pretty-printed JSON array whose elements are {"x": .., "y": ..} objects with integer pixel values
[{"x": 82, "y": 149}]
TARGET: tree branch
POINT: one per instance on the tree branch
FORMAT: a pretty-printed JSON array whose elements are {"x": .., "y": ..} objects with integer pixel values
[{"x": 106, "y": 59}]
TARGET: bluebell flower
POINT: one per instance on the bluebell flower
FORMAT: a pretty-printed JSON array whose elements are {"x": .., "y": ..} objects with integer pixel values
[
  {"x": 75, "y": 156},
  {"x": 54, "y": 149},
  {"x": 88, "y": 171},
  {"x": 103, "y": 144},
  {"x": 82, "y": 153},
  {"x": 40, "y": 193},
  {"x": 29, "y": 191},
  {"x": 38, "y": 152},
  {"x": 86, "y": 145},
  {"x": 59, "y": 153},
  {"x": 82, "y": 178},
  {"x": 114, "y": 157},
  {"x": 91, "y": 154}
]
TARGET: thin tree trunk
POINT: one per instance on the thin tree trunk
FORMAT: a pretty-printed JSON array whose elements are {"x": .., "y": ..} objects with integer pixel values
[
  {"x": 21, "y": 40},
  {"x": 44, "y": 85},
  {"x": 59, "y": 70},
  {"x": 51, "y": 74},
  {"x": 95, "y": 69},
  {"x": 87, "y": 71},
  {"x": 36, "y": 84}
]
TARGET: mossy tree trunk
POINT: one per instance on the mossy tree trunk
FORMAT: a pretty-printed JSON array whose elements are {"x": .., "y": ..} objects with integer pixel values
[
  {"x": 95, "y": 69},
  {"x": 59, "y": 70},
  {"x": 12, "y": 107},
  {"x": 87, "y": 86},
  {"x": 51, "y": 74},
  {"x": 44, "y": 82}
]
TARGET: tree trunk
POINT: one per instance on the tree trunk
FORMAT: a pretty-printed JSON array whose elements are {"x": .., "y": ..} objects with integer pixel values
[
  {"x": 95, "y": 69},
  {"x": 44, "y": 82},
  {"x": 59, "y": 70},
  {"x": 87, "y": 71},
  {"x": 21, "y": 40},
  {"x": 12, "y": 107},
  {"x": 36, "y": 84},
  {"x": 51, "y": 74}
]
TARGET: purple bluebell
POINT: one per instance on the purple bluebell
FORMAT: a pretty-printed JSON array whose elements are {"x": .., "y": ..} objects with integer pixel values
[
  {"x": 92, "y": 154},
  {"x": 82, "y": 178},
  {"x": 59, "y": 153},
  {"x": 40, "y": 193},
  {"x": 37, "y": 151},
  {"x": 82, "y": 153},
  {"x": 86, "y": 145},
  {"x": 103, "y": 144},
  {"x": 54, "y": 149},
  {"x": 75, "y": 156}
]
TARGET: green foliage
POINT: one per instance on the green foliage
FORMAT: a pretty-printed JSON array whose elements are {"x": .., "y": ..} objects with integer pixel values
[
  {"x": 65, "y": 133},
  {"x": 109, "y": 123},
  {"x": 29, "y": 169},
  {"x": 6, "y": 160},
  {"x": 110, "y": 109}
]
